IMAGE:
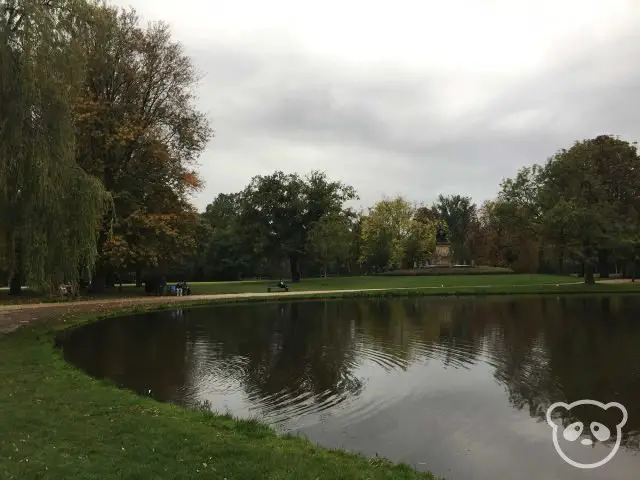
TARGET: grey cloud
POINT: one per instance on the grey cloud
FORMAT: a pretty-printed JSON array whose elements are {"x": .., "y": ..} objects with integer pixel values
[{"x": 381, "y": 129}]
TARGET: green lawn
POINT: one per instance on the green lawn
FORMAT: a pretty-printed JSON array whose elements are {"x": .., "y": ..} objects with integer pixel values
[
  {"x": 58, "y": 423},
  {"x": 380, "y": 282}
]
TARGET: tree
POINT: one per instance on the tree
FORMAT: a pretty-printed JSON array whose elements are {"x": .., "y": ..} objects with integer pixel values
[
  {"x": 279, "y": 210},
  {"x": 458, "y": 212},
  {"x": 355, "y": 242},
  {"x": 329, "y": 239},
  {"x": 485, "y": 236},
  {"x": 394, "y": 235},
  {"x": 230, "y": 250},
  {"x": 590, "y": 197},
  {"x": 420, "y": 241},
  {"x": 49, "y": 207},
  {"x": 140, "y": 134}
]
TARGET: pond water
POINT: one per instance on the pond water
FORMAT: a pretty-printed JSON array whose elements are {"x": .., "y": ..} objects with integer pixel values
[{"x": 456, "y": 386}]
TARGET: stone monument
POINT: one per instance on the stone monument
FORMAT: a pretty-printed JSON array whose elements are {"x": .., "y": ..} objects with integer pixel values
[{"x": 443, "y": 249}]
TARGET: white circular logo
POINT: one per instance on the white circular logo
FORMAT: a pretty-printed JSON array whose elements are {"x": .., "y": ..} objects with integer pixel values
[{"x": 574, "y": 431}]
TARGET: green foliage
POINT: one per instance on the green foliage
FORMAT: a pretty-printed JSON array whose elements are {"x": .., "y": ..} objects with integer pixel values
[
  {"x": 394, "y": 235},
  {"x": 589, "y": 198},
  {"x": 49, "y": 207},
  {"x": 458, "y": 213},
  {"x": 581, "y": 206},
  {"x": 420, "y": 241},
  {"x": 99, "y": 135},
  {"x": 137, "y": 111},
  {"x": 329, "y": 239},
  {"x": 278, "y": 211}
]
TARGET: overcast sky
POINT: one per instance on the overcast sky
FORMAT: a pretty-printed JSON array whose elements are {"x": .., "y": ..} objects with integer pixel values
[{"x": 412, "y": 97}]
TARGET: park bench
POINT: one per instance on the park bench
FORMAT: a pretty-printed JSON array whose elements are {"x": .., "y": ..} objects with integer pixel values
[{"x": 280, "y": 286}]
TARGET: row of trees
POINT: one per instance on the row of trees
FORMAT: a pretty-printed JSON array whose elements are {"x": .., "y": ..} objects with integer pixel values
[
  {"x": 282, "y": 224},
  {"x": 99, "y": 135},
  {"x": 98, "y": 141},
  {"x": 578, "y": 212}
]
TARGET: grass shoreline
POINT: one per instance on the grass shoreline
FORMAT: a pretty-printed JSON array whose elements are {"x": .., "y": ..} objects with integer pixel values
[{"x": 61, "y": 423}]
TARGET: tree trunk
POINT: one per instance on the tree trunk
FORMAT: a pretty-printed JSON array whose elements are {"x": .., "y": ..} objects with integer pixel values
[
  {"x": 138, "y": 277},
  {"x": 561, "y": 262},
  {"x": 589, "y": 264},
  {"x": 603, "y": 263},
  {"x": 15, "y": 284},
  {"x": 588, "y": 274},
  {"x": 294, "y": 264},
  {"x": 17, "y": 279},
  {"x": 110, "y": 279},
  {"x": 99, "y": 280},
  {"x": 325, "y": 270}
]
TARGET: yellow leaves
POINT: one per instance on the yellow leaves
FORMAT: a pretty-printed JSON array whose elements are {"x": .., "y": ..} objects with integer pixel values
[
  {"x": 117, "y": 251},
  {"x": 161, "y": 237},
  {"x": 127, "y": 133},
  {"x": 192, "y": 180},
  {"x": 116, "y": 240}
]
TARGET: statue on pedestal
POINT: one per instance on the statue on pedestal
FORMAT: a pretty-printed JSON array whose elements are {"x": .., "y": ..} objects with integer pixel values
[
  {"x": 442, "y": 254},
  {"x": 441, "y": 236}
]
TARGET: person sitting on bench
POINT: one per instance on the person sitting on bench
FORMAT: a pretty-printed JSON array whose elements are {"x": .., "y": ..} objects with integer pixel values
[{"x": 280, "y": 285}]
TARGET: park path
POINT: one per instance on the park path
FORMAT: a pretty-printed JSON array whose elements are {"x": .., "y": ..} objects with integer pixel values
[{"x": 16, "y": 315}]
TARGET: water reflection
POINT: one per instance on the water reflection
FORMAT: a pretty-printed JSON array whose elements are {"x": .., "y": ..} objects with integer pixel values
[{"x": 418, "y": 380}]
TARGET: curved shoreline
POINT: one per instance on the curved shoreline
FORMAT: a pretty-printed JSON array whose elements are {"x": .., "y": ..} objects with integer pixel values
[
  {"x": 60, "y": 413},
  {"x": 52, "y": 403}
]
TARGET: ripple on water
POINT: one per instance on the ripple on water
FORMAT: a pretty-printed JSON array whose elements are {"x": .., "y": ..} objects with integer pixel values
[
  {"x": 221, "y": 375},
  {"x": 299, "y": 400}
]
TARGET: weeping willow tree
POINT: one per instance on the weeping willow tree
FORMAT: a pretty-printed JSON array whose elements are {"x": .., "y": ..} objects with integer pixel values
[{"x": 50, "y": 209}]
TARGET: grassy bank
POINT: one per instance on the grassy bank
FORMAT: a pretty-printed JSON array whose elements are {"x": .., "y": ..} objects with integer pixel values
[
  {"x": 58, "y": 423},
  {"x": 336, "y": 283}
]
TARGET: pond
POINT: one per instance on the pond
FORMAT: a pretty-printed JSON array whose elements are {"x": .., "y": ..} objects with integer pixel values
[{"x": 457, "y": 386}]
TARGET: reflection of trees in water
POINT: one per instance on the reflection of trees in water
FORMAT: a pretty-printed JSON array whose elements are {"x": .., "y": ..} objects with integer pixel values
[
  {"x": 550, "y": 350},
  {"x": 543, "y": 350},
  {"x": 405, "y": 331},
  {"x": 288, "y": 349},
  {"x": 141, "y": 353}
]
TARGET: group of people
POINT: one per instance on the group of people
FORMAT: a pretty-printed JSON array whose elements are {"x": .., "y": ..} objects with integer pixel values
[
  {"x": 68, "y": 291},
  {"x": 182, "y": 288}
]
